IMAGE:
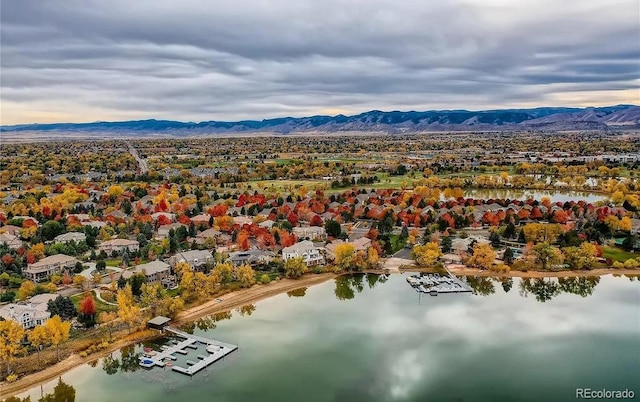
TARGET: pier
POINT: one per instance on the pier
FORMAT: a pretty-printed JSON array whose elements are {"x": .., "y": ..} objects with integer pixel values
[
  {"x": 435, "y": 284},
  {"x": 216, "y": 349}
]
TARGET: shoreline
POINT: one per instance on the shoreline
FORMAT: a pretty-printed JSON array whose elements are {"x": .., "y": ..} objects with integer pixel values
[
  {"x": 230, "y": 301},
  {"x": 239, "y": 298}
]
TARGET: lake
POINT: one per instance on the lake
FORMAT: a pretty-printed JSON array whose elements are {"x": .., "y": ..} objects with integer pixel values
[
  {"x": 553, "y": 195},
  {"x": 373, "y": 338}
]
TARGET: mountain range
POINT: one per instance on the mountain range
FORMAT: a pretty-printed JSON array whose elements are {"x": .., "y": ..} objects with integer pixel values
[{"x": 543, "y": 118}]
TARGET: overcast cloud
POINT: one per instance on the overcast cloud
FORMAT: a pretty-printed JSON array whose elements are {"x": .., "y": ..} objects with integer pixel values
[{"x": 227, "y": 60}]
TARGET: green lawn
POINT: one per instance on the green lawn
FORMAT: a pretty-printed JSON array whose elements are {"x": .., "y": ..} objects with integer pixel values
[
  {"x": 100, "y": 306},
  {"x": 618, "y": 254}
]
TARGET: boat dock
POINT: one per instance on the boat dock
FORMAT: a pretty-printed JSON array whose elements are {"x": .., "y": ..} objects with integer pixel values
[
  {"x": 435, "y": 284},
  {"x": 216, "y": 349}
]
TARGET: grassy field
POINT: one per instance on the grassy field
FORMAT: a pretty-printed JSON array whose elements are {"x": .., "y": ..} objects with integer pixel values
[
  {"x": 100, "y": 306},
  {"x": 618, "y": 254}
]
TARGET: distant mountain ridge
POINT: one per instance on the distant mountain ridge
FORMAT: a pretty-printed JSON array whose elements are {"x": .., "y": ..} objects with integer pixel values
[{"x": 543, "y": 118}]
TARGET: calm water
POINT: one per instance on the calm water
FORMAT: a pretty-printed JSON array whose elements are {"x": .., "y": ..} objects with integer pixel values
[{"x": 359, "y": 339}]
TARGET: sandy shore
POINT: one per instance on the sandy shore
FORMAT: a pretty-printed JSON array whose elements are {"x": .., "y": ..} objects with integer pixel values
[{"x": 230, "y": 301}]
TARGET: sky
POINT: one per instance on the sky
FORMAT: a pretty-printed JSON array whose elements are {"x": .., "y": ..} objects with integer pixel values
[{"x": 190, "y": 60}]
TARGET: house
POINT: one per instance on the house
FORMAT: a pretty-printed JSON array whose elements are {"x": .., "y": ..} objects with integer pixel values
[
  {"x": 119, "y": 246},
  {"x": 169, "y": 216},
  {"x": 202, "y": 219},
  {"x": 29, "y": 314},
  {"x": 77, "y": 237},
  {"x": 13, "y": 242},
  {"x": 635, "y": 226},
  {"x": 43, "y": 269},
  {"x": 163, "y": 230},
  {"x": 359, "y": 244},
  {"x": 310, "y": 232},
  {"x": 253, "y": 257},
  {"x": 242, "y": 220},
  {"x": 154, "y": 271},
  {"x": 205, "y": 234},
  {"x": 306, "y": 250},
  {"x": 197, "y": 259},
  {"x": 11, "y": 229},
  {"x": 268, "y": 224},
  {"x": 94, "y": 224}
]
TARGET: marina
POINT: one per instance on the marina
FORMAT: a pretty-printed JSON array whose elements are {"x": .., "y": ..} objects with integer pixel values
[
  {"x": 216, "y": 351},
  {"x": 434, "y": 283}
]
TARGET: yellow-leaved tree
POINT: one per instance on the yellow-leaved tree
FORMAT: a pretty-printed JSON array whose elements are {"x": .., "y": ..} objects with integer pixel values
[
  {"x": 58, "y": 332},
  {"x": 39, "y": 337},
  {"x": 128, "y": 312},
  {"x": 245, "y": 275},
  {"x": 295, "y": 267},
  {"x": 11, "y": 333},
  {"x": 26, "y": 290},
  {"x": 427, "y": 254},
  {"x": 483, "y": 256}
]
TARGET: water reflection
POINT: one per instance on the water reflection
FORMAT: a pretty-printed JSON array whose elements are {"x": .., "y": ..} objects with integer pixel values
[
  {"x": 62, "y": 392},
  {"x": 348, "y": 285},
  {"x": 247, "y": 309},
  {"x": 209, "y": 322},
  {"x": 128, "y": 361},
  {"x": 300, "y": 292}
]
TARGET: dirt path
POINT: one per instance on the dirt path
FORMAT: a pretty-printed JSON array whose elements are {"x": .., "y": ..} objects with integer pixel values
[{"x": 230, "y": 301}]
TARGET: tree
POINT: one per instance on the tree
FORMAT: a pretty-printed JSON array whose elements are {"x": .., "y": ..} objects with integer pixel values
[
  {"x": 546, "y": 254},
  {"x": 11, "y": 333},
  {"x": 87, "y": 310},
  {"x": 225, "y": 271},
  {"x": 128, "y": 312},
  {"x": 372, "y": 258},
  {"x": 542, "y": 232},
  {"x": 625, "y": 224},
  {"x": 245, "y": 275},
  {"x": 96, "y": 279},
  {"x": 58, "y": 331},
  {"x": 446, "y": 244},
  {"x": 38, "y": 338},
  {"x": 26, "y": 290},
  {"x": 136, "y": 282},
  {"x": 427, "y": 254},
  {"x": 152, "y": 297},
  {"x": 51, "y": 229},
  {"x": 583, "y": 257},
  {"x": 79, "y": 281},
  {"x": 333, "y": 228},
  {"x": 101, "y": 265},
  {"x": 295, "y": 267},
  {"x": 63, "y": 307},
  {"x": 508, "y": 256},
  {"x": 107, "y": 318},
  {"x": 344, "y": 254},
  {"x": 483, "y": 256}
]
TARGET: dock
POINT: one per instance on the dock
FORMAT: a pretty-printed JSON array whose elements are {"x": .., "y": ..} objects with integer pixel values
[
  {"x": 216, "y": 349},
  {"x": 435, "y": 284}
]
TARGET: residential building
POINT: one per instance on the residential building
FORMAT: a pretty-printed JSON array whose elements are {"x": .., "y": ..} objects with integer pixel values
[
  {"x": 253, "y": 257},
  {"x": 119, "y": 246},
  {"x": 29, "y": 314},
  {"x": 77, "y": 237},
  {"x": 197, "y": 259},
  {"x": 41, "y": 270},
  {"x": 205, "y": 234},
  {"x": 13, "y": 242},
  {"x": 163, "y": 230},
  {"x": 359, "y": 244},
  {"x": 171, "y": 217},
  {"x": 154, "y": 271},
  {"x": 305, "y": 249},
  {"x": 310, "y": 232}
]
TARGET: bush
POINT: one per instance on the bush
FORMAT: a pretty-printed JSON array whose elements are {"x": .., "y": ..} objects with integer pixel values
[
  {"x": 11, "y": 378},
  {"x": 8, "y": 296},
  {"x": 265, "y": 279}
]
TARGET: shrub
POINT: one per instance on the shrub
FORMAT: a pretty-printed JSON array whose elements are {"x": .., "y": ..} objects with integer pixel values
[{"x": 11, "y": 378}]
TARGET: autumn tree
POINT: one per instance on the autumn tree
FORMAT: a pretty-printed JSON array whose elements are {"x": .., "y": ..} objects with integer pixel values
[
  {"x": 26, "y": 290},
  {"x": 483, "y": 256},
  {"x": 426, "y": 254},
  {"x": 245, "y": 275},
  {"x": 38, "y": 337},
  {"x": 107, "y": 318},
  {"x": 344, "y": 254},
  {"x": 542, "y": 232},
  {"x": 128, "y": 312},
  {"x": 546, "y": 254},
  {"x": 58, "y": 332},
  {"x": 295, "y": 267},
  {"x": 225, "y": 271},
  {"x": 87, "y": 310},
  {"x": 583, "y": 257},
  {"x": 11, "y": 333}
]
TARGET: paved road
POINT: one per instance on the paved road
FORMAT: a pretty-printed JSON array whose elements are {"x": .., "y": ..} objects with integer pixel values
[{"x": 143, "y": 164}]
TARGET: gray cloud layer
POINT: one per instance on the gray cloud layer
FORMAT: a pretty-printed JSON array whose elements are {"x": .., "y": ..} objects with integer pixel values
[{"x": 212, "y": 60}]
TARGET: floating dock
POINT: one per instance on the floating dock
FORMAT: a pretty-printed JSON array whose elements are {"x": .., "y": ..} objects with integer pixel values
[
  {"x": 216, "y": 349},
  {"x": 435, "y": 284}
]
